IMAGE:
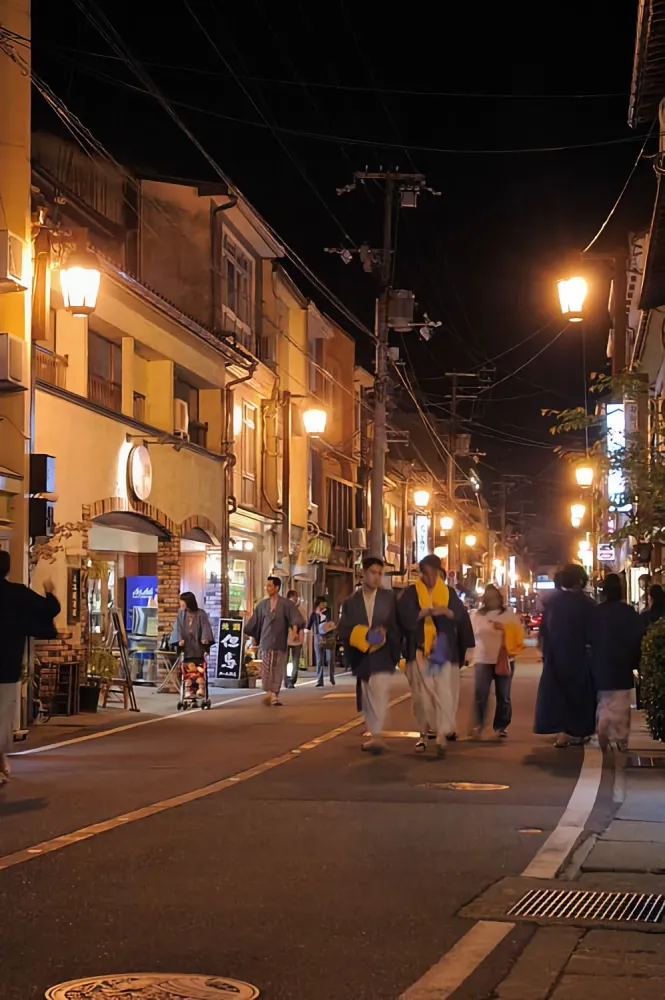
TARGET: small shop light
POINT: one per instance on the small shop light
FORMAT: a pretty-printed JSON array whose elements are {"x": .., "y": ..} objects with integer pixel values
[
  {"x": 447, "y": 523},
  {"x": 584, "y": 474},
  {"x": 248, "y": 546},
  {"x": 421, "y": 498},
  {"x": 80, "y": 275},
  {"x": 470, "y": 540},
  {"x": 572, "y": 293},
  {"x": 314, "y": 421}
]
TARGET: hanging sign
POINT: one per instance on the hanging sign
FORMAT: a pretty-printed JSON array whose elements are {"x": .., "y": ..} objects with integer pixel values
[
  {"x": 605, "y": 552},
  {"x": 139, "y": 472},
  {"x": 73, "y": 595},
  {"x": 230, "y": 648}
]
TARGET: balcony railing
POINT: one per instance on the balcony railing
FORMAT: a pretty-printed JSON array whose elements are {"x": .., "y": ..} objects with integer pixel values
[
  {"x": 107, "y": 394},
  {"x": 49, "y": 367},
  {"x": 198, "y": 433},
  {"x": 139, "y": 407}
]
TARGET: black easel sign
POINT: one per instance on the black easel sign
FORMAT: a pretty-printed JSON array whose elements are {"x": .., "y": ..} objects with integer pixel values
[{"x": 230, "y": 648}]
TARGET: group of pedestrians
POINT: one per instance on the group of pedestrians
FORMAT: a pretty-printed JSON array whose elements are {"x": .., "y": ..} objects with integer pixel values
[{"x": 591, "y": 656}]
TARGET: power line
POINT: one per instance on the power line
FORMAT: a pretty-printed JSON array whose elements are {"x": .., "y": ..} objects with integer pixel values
[
  {"x": 363, "y": 88},
  {"x": 526, "y": 363},
  {"x": 381, "y": 144}
]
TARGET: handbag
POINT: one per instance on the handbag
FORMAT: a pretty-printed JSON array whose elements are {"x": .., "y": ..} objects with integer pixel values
[{"x": 502, "y": 668}]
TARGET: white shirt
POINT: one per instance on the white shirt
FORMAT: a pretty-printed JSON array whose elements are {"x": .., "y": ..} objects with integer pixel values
[
  {"x": 369, "y": 597},
  {"x": 488, "y": 639}
]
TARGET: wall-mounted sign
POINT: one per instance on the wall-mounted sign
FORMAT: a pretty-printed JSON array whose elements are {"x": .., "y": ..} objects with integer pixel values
[
  {"x": 230, "y": 648},
  {"x": 605, "y": 552},
  {"x": 422, "y": 536},
  {"x": 139, "y": 472},
  {"x": 73, "y": 595}
]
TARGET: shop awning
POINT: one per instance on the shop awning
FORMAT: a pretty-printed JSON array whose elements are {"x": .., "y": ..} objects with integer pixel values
[{"x": 648, "y": 85}]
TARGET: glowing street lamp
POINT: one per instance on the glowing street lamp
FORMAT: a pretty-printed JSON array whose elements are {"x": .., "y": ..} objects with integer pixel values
[
  {"x": 314, "y": 421},
  {"x": 470, "y": 540},
  {"x": 447, "y": 523},
  {"x": 584, "y": 545},
  {"x": 421, "y": 498},
  {"x": 584, "y": 475},
  {"x": 572, "y": 293},
  {"x": 577, "y": 512},
  {"x": 80, "y": 275}
]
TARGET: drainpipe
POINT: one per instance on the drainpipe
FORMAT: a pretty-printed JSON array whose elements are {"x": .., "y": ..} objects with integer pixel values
[
  {"x": 402, "y": 542},
  {"x": 230, "y": 503},
  {"x": 286, "y": 480}
]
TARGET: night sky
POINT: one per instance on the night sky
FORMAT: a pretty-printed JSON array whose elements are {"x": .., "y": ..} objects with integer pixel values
[{"x": 482, "y": 258}]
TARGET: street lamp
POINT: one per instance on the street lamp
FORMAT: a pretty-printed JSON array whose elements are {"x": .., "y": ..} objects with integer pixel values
[
  {"x": 446, "y": 523},
  {"x": 572, "y": 293},
  {"x": 80, "y": 275},
  {"x": 584, "y": 545},
  {"x": 421, "y": 498},
  {"x": 470, "y": 541},
  {"x": 314, "y": 421},
  {"x": 577, "y": 512},
  {"x": 584, "y": 474}
]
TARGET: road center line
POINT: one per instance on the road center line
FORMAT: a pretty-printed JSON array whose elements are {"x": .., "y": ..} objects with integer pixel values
[{"x": 86, "y": 832}]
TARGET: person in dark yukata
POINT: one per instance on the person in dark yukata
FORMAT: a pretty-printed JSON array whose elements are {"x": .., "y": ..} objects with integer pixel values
[
  {"x": 566, "y": 700},
  {"x": 369, "y": 633}
]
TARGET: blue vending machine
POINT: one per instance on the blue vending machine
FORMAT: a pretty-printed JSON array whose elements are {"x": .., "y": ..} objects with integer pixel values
[{"x": 141, "y": 605}]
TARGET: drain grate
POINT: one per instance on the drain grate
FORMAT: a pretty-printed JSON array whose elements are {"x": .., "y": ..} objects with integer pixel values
[
  {"x": 637, "y": 760},
  {"x": 576, "y": 904}
]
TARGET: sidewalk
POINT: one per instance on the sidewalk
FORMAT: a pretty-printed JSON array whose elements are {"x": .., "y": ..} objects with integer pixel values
[{"x": 612, "y": 959}]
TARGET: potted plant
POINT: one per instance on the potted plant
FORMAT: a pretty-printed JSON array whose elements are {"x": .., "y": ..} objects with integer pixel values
[
  {"x": 652, "y": 679},
  {"x": 102, "y": 668}
]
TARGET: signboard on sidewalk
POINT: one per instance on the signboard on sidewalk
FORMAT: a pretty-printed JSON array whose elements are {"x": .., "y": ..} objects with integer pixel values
[
  {"x": 230, "y": 648},
  {"x": 73, "y": 595}
]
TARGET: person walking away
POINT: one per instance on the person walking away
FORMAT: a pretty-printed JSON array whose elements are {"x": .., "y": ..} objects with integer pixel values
[
  {"x": 616, "y": 639},
  {"x": 370, "y": 635},
  {"x": 566, "y": 699},
  {"x": 494, "y": 627},
  {"x": 295, "y": 646},
  {"x": 656, "y": 606},
  {"x": 269, "y": 625},
  {"x": 192, "y": 634},
  {"x": 322, "y": 628},
  {"x": 437, "y": 632},
  {"x": 23, "y": 613}
]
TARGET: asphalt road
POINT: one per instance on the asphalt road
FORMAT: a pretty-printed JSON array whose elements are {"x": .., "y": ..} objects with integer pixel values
[{"x": 327, "y": 875}]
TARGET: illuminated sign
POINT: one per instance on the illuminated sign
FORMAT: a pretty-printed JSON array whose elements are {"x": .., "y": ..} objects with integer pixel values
[{"x": 422, "y": 536}]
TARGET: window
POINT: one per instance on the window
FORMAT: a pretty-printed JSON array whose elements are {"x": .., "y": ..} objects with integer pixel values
[
  {"x": 104, "y": 372},
  {"x": 248, "y": 456},
  {"x": 237, "y": 291},
  {"x": 320, "y": 383},
  {"x": 340, "y": 521}
]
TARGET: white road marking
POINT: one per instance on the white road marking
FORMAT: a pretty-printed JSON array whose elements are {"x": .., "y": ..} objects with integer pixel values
[
  {"x": 86, "y": 832},
  {"x": 456, "y": 966},
  {"x": 144, "y": 722},
  {"x": 553, "y": 853},
  {"x": 470, "y": 951}
]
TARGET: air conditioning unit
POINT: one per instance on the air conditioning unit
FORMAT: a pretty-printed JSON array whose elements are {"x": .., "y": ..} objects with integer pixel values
[
  {"x": 358, "y": 538},
  {"x": 13, "y": 363},
  {"x": 181, "y": 419},
  {"x": 12, "y": 278}
]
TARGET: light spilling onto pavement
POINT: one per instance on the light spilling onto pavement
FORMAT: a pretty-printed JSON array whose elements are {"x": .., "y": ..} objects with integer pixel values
[{"x": 466, "y": 786}]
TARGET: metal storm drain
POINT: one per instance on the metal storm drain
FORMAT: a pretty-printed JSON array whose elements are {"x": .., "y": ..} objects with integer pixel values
[
  {"x": 577, "y": 904},
  {"x": 636, "y": 760},
  {"x": 153, "y": 986}
]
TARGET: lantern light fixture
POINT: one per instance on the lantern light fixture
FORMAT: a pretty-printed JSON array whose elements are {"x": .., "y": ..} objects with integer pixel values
[
  {"x": 584, "y": 474},
  {"x": 572, "y": 293},
  {"x": 80, "y": 276},
  {"x": 314, "y": 420},
  {"x": 470, "y": 540},
  {"x": 447, "y": 523},
  {"x": 421, "y": 498}
]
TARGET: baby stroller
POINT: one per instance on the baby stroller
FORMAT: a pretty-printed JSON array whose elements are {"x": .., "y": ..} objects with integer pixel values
[{"x": 194, "y": 685}]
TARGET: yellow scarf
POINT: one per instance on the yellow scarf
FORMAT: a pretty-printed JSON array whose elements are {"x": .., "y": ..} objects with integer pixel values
[{"x": 438, "y": 597}]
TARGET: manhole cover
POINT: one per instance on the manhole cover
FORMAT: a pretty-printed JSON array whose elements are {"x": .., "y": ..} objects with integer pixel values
[
  {"x": 530, "y": 829},
  {"x": 153, "y": 986},
  {"x": 398, "y": 734},
  {"x": 465, "y": 786},
  {"x": 576, "y": 904}
]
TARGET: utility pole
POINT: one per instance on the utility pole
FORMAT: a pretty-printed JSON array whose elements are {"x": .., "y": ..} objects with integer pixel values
[{"x": 407, "y": 186}]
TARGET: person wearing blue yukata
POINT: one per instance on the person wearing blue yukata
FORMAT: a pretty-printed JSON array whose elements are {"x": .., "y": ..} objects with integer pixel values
[
  {"x": 270, "y": 624},
  {"x": 370, "y": 635}
]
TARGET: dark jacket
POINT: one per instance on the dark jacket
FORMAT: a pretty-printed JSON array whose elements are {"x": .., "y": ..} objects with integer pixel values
[
  {"x": 384, "y": 660},
  {"x": 615, "y": 634},
  {"x": 458, "y": 630},
  {"x": 652, "y": 615},
  {"x": 23, "y": 613},
  {"x": 566, "y": 699}
]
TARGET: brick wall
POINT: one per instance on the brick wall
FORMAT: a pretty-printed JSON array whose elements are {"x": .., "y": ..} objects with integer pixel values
[
  {"x": 66, "y": 648},
  {"x": 168, "y": 582}
]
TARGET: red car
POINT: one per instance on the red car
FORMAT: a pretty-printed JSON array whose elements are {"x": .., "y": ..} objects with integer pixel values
[{"x": 532, "y": 621}]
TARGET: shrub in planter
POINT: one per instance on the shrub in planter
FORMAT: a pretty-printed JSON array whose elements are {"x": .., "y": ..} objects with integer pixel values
[
  {"x": 652, "y": 676},
  {"x": 102, "y": 668}
]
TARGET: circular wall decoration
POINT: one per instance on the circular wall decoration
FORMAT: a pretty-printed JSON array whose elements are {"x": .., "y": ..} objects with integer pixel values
[
  {"x": 139, "y": 472},
  {"x": 153, "y": 986}
]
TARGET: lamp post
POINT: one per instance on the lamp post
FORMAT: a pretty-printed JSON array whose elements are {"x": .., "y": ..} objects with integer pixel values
[
  {"x": 572, "y": 293},
  {"x": 314, "y": 420}
]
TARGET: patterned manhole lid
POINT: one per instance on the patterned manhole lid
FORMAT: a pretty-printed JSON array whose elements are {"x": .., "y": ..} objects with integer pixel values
[
  {"x": 153, "y": 986},
  {"x": 465, "y": 786}
]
